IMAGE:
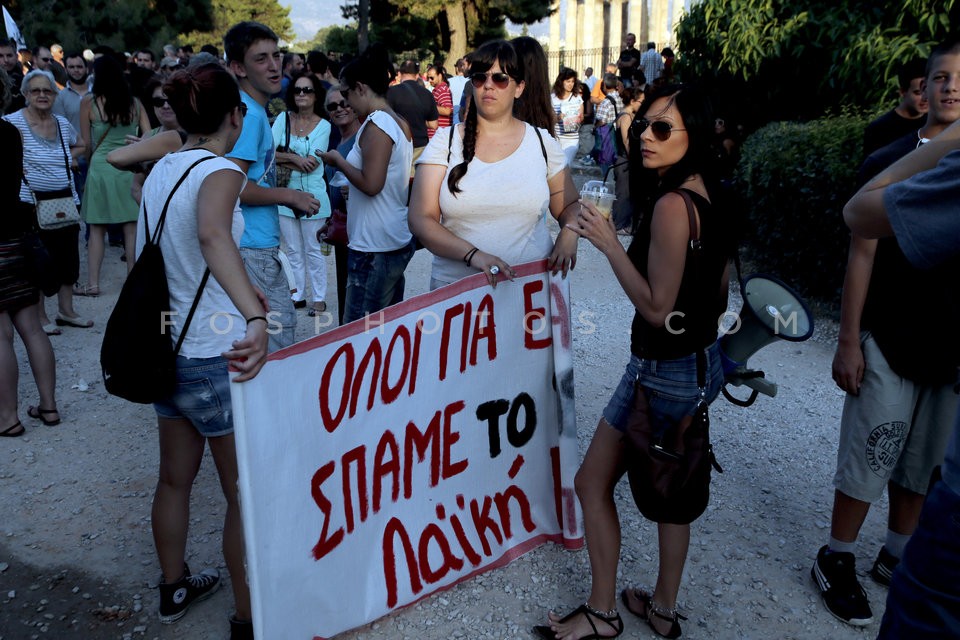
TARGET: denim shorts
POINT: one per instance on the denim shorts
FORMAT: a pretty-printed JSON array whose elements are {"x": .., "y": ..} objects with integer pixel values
[
  {"x": 202, "y": 396},
  {"x": 671, "y": 387}
]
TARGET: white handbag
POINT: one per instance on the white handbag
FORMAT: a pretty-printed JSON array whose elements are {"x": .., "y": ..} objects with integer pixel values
[{"x": 56, "y": 209}]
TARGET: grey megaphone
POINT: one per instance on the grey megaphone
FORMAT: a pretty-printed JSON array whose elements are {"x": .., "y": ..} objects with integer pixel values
[{"x": 771, "y": 311}]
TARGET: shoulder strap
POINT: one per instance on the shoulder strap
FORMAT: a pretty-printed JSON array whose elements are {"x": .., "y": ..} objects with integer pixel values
[
  {"x": 453, "y": 132},
  {"x": 63, "y": 147},
  {"x": 543, "y": 148},
  {"x": 616, "y": 113},
  {"x": 286, "y": 122},
  {"x": 163, "y": 215},
  {"x": 695, "y": 249},
  {"x": 193, "y": 309}
]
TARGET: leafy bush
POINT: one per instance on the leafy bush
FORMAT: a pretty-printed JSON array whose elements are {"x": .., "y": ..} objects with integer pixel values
[{"x": 794, "y": 179}]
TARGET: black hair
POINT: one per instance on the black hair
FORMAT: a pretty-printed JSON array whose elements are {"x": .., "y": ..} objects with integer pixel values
[
  {"x": 372, "y": 68},
  {"x": 696, "y": 110},
  {"x": 610, "y": 81},
  {"x": 318, "y": 62},
  {"x": 410, "y": 67},
  {"x": 211, "y": 49},
  {"x": 110, "y": 84},
  {"x": 495, "y": 51},
  {"x": 66, "y": 56},
  {"x": 241, "y": 37},
  {"x": 534, "y": 106},
  {"x": 201, "y": 96},
  {"x": 148, "y": 52},
  {"x": 565, "y": 74},
  {"x": 915, "y": 68},
  {"x": 951, "y": 45},
  {"x": 319, "y": 92},
  {"x": 439, "y": 70}
]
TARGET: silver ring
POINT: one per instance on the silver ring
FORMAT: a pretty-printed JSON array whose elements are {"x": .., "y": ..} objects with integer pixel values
[{"x": 494, "y": 270}]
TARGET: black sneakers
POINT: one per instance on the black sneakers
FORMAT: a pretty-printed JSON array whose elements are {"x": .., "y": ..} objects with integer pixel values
[
  {"x": 836, "y": 576},
  {"x": 176, "y": 598},
  {"x": 883, "y": 567}
]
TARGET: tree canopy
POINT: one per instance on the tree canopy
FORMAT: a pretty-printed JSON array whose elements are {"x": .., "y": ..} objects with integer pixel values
[
  {"x": 226, "y": 13},
  {"x": 442, "y": 29},
  {"x": 799, "y": 59},
  {"x": 125, "y": 26}
]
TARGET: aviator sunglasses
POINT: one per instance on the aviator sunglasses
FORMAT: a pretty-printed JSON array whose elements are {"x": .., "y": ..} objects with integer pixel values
[
  {"x": 661, "y": 130},
  {"x": 500, "y": 79}
]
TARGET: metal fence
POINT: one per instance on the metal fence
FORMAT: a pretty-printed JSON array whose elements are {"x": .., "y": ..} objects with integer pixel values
[{"x": 580, "y": 59}]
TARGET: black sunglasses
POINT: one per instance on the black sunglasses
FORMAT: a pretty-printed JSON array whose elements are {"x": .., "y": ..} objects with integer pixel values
[
  {"x": 500, "y": 79},
  {"x": 661, "y": 130},
  {"x": 303, "y": 90},
  {"x": 159, "y": 101},
  {"x": 333, "y": 106},
  {"x": 243, "y": 109}
]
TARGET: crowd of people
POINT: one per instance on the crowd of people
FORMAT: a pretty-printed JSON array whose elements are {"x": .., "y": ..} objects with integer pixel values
[{"x": 195, "y": 140}]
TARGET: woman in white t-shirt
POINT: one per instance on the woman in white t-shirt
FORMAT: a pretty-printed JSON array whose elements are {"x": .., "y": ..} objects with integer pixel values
[
  {"x": 202, "y": 227},
  {"x": 378, "y": 168},
  {"x": 568, "y": 107},
  {"x": 480, "y": 200}
]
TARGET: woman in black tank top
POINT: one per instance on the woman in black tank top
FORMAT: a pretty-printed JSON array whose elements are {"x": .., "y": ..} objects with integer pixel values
[{"x": 678, "y": 299}]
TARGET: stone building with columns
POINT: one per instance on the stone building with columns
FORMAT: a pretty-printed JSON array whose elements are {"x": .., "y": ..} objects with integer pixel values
[{"x": 590, "y": 33}]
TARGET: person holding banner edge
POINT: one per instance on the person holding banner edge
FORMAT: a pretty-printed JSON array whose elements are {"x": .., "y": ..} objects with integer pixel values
[
  {"x": 671, "y": 140},
  {"x": 456, "y": 210},
  {"x": 202, "y": 229}
]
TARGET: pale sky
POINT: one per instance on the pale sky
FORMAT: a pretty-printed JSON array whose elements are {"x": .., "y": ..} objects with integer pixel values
[{"x": 309, "y": 16}]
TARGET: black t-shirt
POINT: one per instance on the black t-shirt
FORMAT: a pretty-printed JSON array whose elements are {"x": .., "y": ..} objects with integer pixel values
[
  {"x": 625, "y": 57},
  {"x": 415, "y": 105},
  {"x": 888, "y": 128},
  {"x": 910, "y": 311},
  {"x": 695, "y": 325},
  {"x": 17, "y": 216}
]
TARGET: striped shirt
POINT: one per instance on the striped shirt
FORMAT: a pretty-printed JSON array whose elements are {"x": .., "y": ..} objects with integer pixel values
[
  {"x": 43, "y": 160},
  {"x": 443, "y": 98}
]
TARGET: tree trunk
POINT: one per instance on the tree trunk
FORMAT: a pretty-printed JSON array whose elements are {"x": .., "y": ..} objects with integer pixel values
[
  {"x": 363, "y": 24},
  {"x": 457, "y": 23}
]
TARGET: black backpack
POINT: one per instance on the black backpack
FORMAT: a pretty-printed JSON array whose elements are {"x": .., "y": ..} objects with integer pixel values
[{"x": 137, "y": 358}]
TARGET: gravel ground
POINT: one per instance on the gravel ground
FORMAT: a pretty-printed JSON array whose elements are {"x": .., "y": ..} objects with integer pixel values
[{"x": 77, "y": 558}]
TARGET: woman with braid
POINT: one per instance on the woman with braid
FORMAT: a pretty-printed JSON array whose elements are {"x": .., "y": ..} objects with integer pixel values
[{"x": 484, "y": 187}]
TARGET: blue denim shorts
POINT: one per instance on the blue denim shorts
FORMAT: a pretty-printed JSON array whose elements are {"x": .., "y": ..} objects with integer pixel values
[
  {"x": 671, "y": 387},
  {"x": 202, "y": 396}
]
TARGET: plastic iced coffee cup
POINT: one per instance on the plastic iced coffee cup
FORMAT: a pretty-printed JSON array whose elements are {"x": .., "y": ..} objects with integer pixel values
[{"x": 605, "y": 204}]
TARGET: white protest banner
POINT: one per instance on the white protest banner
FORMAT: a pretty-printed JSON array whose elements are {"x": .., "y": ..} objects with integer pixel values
[{"x": 396, "y": 456}]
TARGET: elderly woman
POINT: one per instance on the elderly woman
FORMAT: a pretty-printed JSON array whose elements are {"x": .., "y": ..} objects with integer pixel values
[
  {"x": 18, "y": 295},
  {"x": 49, "y": 145}
]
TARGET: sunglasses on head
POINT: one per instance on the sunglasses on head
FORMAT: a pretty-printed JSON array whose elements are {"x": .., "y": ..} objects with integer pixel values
[
  {"x": 305, "y": 91},
  {"x": 159, "y": 101},
  {"x": 333, "y": 106},
  {"x": 661, "y": 130},
  {"x": 500, "y": 79}
]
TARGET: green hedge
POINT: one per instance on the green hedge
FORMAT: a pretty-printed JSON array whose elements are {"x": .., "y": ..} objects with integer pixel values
[{"x": 794, "y": 179}]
